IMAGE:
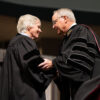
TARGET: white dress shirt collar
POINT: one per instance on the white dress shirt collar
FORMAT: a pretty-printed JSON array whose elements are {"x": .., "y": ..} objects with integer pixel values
[
  {"x": 73, "y": 25},
  {"x": 24, "y": 34}
]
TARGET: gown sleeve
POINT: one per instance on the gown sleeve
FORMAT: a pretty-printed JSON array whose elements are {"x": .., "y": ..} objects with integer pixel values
[
  {"x": 81, "y": 56},
  {"x": 29, "y": 57}
]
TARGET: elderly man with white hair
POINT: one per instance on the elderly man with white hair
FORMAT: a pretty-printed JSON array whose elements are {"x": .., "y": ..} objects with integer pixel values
[
  {"x": 21, "y": 79},
  {"x": 78, "y": 52}
]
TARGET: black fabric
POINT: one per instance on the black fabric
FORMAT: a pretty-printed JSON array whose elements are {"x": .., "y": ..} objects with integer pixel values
[
  {"x": 90, "y": 88},
  {"x": 21, "y": 78},
  {"x": 76, "y": 59},
  {"x": 96, "y": 70}
]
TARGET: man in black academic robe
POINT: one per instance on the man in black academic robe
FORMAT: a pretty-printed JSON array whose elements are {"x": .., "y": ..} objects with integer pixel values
[
  {"x": 77, "y": 54},
  {"x": 76, "y": 60},
  {"x": 22, "y": 79}
]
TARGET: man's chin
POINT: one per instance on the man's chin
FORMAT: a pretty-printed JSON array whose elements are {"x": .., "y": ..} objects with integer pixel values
[
  {"x": 36, "y": 37},
  {"x": 60, "y": 33}
]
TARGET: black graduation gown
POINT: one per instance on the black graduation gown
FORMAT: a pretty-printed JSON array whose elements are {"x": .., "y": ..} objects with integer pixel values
[
  {"x": 21, "y": 78},
  {"x": 90, "y": 90},
  {"x": 75, "y": 60}
]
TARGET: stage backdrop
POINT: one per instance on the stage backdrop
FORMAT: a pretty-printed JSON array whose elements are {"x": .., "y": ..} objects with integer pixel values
[{"x": 80, "y": 5}]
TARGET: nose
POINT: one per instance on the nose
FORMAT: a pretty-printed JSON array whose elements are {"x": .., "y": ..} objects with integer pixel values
[{"x": 40, "y": 30}]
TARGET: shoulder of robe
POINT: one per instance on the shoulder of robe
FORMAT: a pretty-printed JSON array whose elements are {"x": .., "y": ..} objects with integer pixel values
[{"x": 21, "y": 40}]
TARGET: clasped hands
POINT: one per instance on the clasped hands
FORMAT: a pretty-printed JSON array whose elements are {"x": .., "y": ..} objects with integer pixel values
[{"x": 47, "y": 64}]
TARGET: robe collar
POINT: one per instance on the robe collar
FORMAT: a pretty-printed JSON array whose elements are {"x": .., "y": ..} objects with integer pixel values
[{"x": 70, "y": 29}]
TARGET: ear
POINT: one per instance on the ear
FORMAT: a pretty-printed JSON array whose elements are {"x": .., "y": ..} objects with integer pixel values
[
  {"x": 28, "y": 28},
  {"x": 65, "y": 18}
]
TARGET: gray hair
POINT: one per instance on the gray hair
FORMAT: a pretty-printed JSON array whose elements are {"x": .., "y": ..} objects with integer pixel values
[
  {"x": 66, "y": 12},
  {"x": 25, "y": 21}
]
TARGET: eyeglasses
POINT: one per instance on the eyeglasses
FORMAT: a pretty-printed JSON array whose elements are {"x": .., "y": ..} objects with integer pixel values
[{"x": 55, "y": 21}]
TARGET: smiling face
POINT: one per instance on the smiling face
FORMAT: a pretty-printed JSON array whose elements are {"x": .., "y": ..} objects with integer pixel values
[
  {"x": 61, "y": 23},
  {"x": 35, "y": 30},
  {"x": 58, "y": 24}
]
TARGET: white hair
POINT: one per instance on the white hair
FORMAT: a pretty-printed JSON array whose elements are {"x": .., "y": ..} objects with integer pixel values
[
  {"x": 66, "y": 12},
  {"x": 25, "y": 21}
]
